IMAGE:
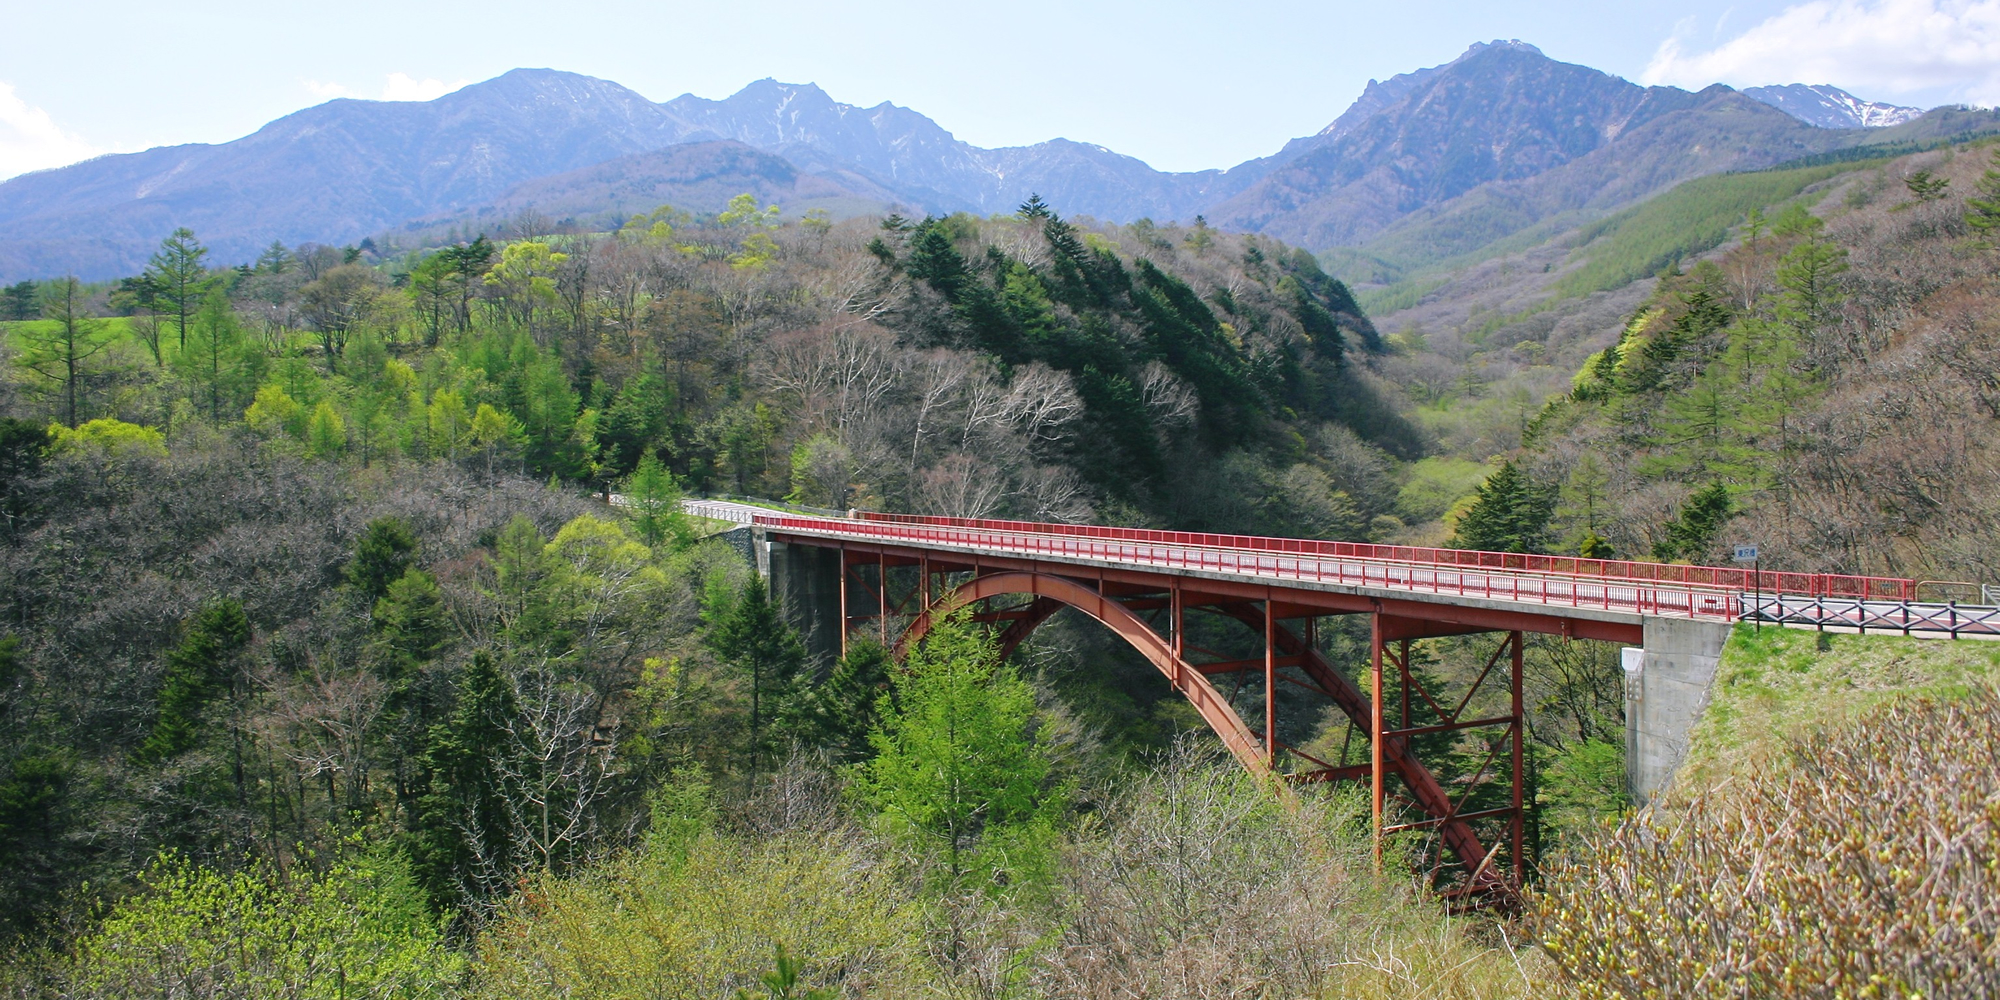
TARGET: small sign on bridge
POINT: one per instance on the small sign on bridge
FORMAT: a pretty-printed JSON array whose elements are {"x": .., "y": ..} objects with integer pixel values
[{"x": 1746, "y": 553}]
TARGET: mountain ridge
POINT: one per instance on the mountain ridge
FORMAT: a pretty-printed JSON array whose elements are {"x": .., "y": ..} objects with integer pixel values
[{"x": 344, "y": 169}]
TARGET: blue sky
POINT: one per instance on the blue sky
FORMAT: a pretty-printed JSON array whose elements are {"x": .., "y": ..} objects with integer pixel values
[{"x": 1181, "y": 85}]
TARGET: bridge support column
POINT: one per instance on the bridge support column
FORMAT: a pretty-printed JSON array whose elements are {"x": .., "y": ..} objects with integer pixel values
[
  {"x": 1666, "y": 699},
  {"x": 805, "y": 582}
]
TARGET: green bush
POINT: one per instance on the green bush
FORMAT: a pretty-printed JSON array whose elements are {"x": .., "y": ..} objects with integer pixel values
[
  {"x": 702, "y": 922},
  {"x": 359, "y": 930}
]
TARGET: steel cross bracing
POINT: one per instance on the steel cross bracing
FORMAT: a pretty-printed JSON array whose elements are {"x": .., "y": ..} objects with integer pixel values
[{"x": 896, "y": 573}]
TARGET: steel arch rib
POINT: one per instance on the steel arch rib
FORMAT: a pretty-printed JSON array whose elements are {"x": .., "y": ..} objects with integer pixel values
[
  {"x": 1396, "y": 751},
  {"x": 1214, "y": 708}
]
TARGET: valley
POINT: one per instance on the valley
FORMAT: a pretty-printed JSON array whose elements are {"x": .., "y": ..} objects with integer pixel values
[{"x": 358, "y": 640}]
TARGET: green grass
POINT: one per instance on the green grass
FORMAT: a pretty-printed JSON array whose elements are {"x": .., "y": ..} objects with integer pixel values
[
  {"x": 15, "y": 327},
  {"x": 1693, "y": 218},
  {"x": 1777, "y": 683}
]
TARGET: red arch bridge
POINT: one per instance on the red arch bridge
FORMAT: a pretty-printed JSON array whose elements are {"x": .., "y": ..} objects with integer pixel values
[{"x": 892, "y": 574}]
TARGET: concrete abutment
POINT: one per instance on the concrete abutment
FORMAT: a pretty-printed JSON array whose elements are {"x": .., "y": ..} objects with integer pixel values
[{"x": 1667, "y": 686}]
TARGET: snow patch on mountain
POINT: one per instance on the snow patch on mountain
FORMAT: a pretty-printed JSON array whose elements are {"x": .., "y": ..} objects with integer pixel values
[{"x": 1828, "y": 106}]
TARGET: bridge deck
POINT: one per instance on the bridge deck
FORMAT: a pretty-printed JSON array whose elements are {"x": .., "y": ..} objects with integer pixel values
[{"x": 1587, "y": 592}]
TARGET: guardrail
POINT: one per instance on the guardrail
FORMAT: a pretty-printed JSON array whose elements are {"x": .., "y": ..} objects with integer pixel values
[
  {"x": 1721, "y": 578},
  {"x": 1555, "y": 590},
  {"x": 719, "y": 510},
  {"x": 1906, "y": 617}
]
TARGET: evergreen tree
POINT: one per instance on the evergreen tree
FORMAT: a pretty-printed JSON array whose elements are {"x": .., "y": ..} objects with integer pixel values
[
  {"x": 1509, "y": 513},
  {"x": 934, "y": 261},
  {"x": 179, "y": 278},
  {"x": 214, "y": 358},
  {"x": 384, "y": 553},
  {"x": 1585, "y": 501},
  {"x": 1694, "y": 426},
  {"x": 461, "y": 839},
  {"x": 197, "y": 671},
  {"x": 18, "y": 301},
  {"x": 840, "y": 711},
  {"x": 752, "y": 636},
  {"x": 326, "y": 432},
  {"x": 1692, "y": 532},
  {"x": 410, "y": 622},
  {"x": 23, "y": 445},
  {"x": 1032, "y": 209},
  {"x": 1982, "y": 211},
  {"x": 36, "y": 782},
  {"x": 492, "y": 430},
  {"x": 1925, "y": 186},
  {"x": 1807, "y": 275}
]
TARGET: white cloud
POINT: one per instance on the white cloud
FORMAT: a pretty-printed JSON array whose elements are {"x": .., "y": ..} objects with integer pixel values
[
  {"x": 396, "y": 87},
  {"x": 30, "y": 140},
  {"x": 402, "y": 88},
  {"x": 1949, "y": 47},
  {"x": 327, "y": 91}
]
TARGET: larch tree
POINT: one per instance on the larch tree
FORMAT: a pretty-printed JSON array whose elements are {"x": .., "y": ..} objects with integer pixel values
[
  {"x": 179, "y": 278},
  {"x": 61, "y": 350},
  {"x": 958, "y": 757}
]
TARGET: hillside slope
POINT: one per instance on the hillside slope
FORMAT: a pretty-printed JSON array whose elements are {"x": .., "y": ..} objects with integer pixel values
[{"x": 1820, "y": 386}]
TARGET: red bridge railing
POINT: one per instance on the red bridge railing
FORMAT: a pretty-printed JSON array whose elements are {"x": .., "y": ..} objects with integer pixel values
[
  {"x": 1554, "y": 590},
  {"x": 1619, "y": 570}
]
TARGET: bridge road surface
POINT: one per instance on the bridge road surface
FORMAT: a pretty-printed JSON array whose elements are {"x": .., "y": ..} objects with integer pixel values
[{"x": 1578, "y": 598}]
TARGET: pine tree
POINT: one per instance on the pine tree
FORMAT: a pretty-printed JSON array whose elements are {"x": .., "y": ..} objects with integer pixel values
[
  {"x": 1694, "y": 426},
  {"x": 410, "y": 622},
  {"x": 655, "y": 498},
  {"x": 1032, "y": 209},
  {"x": 1585, "y": 497},
  {"x": 1982, "y": 212},
  {"x": 197, "y": 671},
  {"x": 326, "y": 432},
  {"x": 384, "y": 553},
  {"x": 755, "y": 639},
  {"x": 1509, "y": 513},
  {"x": 214, "y": 355},
  {"x": 935, "y": 261},
  {"x": 1926, "y": 187},
  {"x": 18, "y": 301},
  {"x": 461, "y": 838},
  {"x": 1807, "y": 275},
  {"x": 1693, "y": 530},
  {"x": 840, "y": 711}
]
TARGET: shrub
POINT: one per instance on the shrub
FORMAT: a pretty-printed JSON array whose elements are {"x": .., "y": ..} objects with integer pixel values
[
  {"x": 1865, "y": 869},
  {"x": 701, "y": 919},
  {"x": 360, "y": 930}
]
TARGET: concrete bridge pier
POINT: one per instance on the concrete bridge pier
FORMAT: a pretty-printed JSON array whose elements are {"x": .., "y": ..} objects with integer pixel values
[
  {"x": 805, "y": 583},
  {"x": 1666, "y": 689}
]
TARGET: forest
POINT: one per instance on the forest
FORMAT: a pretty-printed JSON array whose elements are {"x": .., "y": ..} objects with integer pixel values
[{"x": 329, "y": 671}]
